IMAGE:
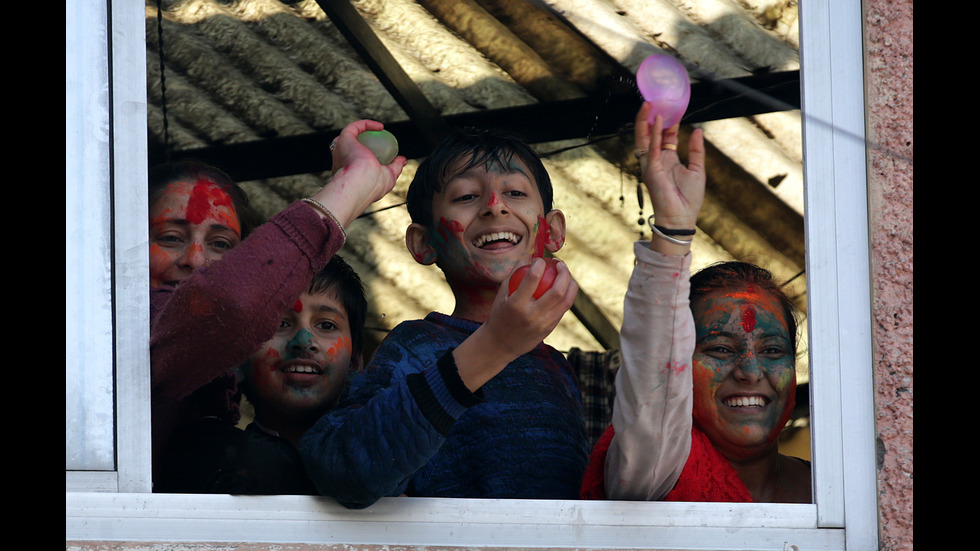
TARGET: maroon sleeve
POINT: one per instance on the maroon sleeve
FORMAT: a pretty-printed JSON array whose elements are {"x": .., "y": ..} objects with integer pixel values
[{"x": 222, "y": 313}]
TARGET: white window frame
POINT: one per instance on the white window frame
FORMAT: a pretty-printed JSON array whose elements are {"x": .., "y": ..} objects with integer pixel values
[{"x": 116, "y": 504}]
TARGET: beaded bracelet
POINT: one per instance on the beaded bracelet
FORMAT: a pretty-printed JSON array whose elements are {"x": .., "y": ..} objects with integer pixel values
[{"x": 326, "y": 212}]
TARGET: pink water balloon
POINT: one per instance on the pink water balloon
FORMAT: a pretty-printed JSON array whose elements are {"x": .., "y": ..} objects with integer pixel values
[{"x": 664, "y": 83}]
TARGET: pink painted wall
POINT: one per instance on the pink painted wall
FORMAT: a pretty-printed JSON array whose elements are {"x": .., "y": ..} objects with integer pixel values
[{"x": 888, "y": 72}]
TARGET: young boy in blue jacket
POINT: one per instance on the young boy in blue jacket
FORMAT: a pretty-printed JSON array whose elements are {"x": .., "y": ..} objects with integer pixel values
[{"x": 472, "y": 404}]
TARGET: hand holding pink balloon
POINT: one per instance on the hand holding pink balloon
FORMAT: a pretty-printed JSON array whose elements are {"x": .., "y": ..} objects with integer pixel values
[{"x": 664, "y": 83}]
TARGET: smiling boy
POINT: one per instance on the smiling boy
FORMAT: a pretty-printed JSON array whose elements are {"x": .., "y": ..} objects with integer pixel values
[
  {"x": 472, "y": 404},
  {"x": 298, "y": 374},
  {"x": 291, "y": 380}
]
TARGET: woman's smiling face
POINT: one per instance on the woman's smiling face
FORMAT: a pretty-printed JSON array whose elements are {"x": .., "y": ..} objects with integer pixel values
[
  {"x": 191, "y": 225},
  {"x": 744, "y": 370}
]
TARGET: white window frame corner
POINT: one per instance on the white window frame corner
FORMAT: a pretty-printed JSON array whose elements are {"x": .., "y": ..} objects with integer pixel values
[{"x": 118, "y": 506}]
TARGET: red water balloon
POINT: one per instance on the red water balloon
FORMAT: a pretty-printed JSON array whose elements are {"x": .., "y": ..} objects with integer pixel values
[{"x": 547, "y": 279}]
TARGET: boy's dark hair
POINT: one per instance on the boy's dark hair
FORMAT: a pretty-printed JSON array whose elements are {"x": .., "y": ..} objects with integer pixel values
[
  {"x": 477, "y": 147},
  {"x": 735, "y": 276},
  {"x": 192, "y": 170},
  {"x": 340, "y": 277}
]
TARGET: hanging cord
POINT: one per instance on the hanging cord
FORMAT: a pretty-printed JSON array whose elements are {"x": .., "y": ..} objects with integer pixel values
[{"x": 163, "y": 83}]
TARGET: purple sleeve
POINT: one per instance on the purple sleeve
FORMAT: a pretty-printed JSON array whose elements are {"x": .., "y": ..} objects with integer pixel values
[{"x": 222, "y": 313}]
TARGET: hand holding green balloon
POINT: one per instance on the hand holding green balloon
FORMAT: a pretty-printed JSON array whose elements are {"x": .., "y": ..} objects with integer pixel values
[{"x": 381, "y": 142}]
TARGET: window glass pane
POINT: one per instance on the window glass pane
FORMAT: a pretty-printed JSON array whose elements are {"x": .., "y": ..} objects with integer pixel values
[{"x": 89, "y": 425}]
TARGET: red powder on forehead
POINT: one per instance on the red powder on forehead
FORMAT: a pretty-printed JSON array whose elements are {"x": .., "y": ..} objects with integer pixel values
[
  {"x": 298, "y": 307},
  {"x": 205, "y": 196},
  {"x": 748, "y": 318},
  {"x": 763, "y": 299}
]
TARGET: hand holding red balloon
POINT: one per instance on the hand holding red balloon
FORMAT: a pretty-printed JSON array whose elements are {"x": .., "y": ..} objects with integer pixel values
[{"x": 550, "y": 271}]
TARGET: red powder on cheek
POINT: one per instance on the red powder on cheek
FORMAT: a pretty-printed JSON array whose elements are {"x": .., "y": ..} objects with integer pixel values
[
  {"x": 542, "y": 237},
  {"x": 452, "y": 226},
  {"x": 449, "y": 228},
  {"x": 273, "y": 355},
  {"x": 748, "y": 318}
]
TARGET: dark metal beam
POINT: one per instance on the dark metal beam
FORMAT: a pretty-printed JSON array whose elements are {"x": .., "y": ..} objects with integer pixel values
[
  {"x": 427, "y": 119},
  {"x": 600, "y": 115},
  {"x": 595, "y": 321}
]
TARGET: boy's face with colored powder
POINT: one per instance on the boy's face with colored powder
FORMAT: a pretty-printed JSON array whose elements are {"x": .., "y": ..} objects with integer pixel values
[
  {"x": 302, "y": 369},
  {"x": 744, "y": 371},
  {"x": 487, "y": 220},
  {"x": 191, "y": 224}
]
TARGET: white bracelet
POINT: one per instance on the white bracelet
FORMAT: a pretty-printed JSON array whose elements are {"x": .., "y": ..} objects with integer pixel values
[
  {"x": 673, "y": 240},
  {"x": 326, "y": 212}
]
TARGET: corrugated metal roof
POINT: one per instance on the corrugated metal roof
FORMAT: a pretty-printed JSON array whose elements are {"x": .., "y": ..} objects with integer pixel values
[{"x": 262, "y": 72}]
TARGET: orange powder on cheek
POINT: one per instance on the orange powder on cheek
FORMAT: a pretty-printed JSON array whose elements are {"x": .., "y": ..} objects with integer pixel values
[
  {"x": 158, "y": 253},
  {"x": 343, "y": 344},
  {"x": 702, "y": 376}
]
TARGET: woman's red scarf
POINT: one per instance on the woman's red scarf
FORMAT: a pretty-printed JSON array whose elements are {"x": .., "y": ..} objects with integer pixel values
[{"x": 707, "y": 475}]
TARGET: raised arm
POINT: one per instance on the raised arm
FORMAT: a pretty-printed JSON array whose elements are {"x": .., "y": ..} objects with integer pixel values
[
  {"x": 652, "y": 408},
  {"x": 222, "y": 312}
]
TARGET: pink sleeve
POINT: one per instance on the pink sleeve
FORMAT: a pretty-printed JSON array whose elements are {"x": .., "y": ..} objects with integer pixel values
[{"x": 652, "y": 409}]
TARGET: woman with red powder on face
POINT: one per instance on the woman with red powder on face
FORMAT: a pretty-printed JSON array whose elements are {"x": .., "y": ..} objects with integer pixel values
[
  {"x": 214, "y": 301},
  {"x": 197, "y": 214},
  {"x": 708, "y": 377}
]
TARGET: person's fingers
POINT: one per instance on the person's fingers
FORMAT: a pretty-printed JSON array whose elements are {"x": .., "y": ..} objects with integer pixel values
[
  {"x": 695, "y": 151},
  {"x": 655, "y": 144},
  {"x": 356, "y": 127},
  {"x": 657, "y": 138},
  {"x": 641, "y": 126},
  {"x": 396, "y": 166},
  {"x": 670, "y": 138}
]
